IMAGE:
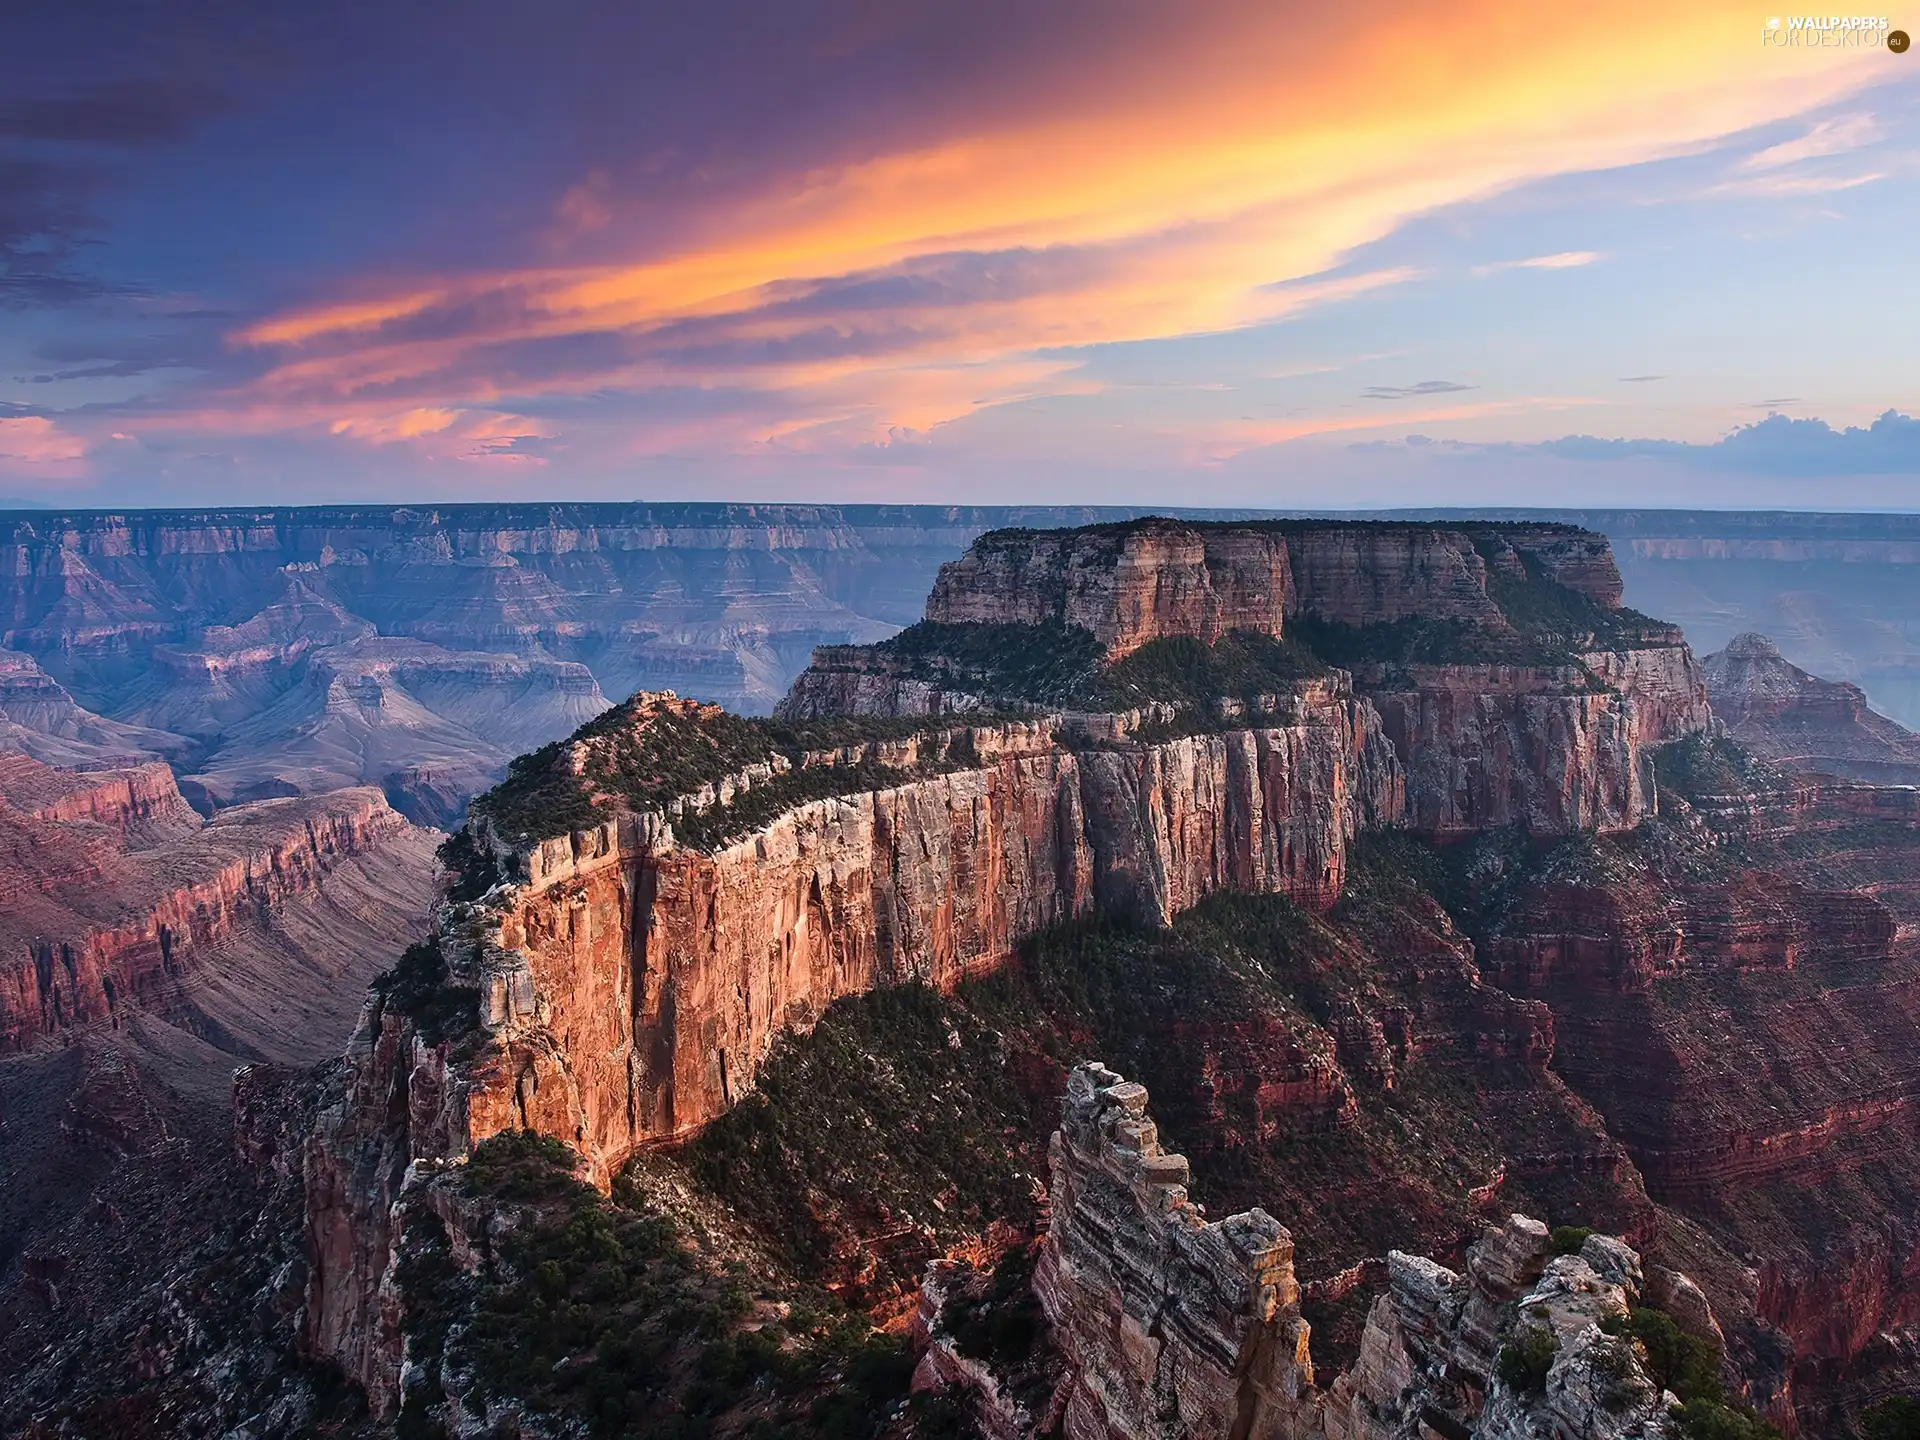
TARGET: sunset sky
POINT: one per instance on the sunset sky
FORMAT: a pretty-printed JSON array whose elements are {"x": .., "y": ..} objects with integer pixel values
[{"x": 1135, "y": 251}]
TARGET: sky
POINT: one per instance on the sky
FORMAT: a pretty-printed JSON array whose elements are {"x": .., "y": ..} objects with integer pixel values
[{"x": 1126, "y": 251}]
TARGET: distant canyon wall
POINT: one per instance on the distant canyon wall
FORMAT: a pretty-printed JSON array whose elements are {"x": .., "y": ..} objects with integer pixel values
[
  {"x": 128, "y": 894},
  {"x": 1129, "y": 584}
]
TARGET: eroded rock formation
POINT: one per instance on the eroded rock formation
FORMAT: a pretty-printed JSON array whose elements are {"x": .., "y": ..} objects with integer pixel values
[
  {"x": 1559, "y": 748},
  {"x": 1174, "y": 1327},
  {"x": 1127, "y": 584},
  {"x": 116, "y": 892},
  {"x": 1785, "y": 715},
  {"x": 630, "y": 987}
]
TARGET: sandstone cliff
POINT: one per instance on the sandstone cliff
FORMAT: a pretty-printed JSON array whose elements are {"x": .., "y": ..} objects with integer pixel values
[
  {"x": 1171, "y": 1325},
  {"x": 1127, "y": 584},
  {"x": 629, "y": 988},
  {"x": 1543, "y": 717},
  {"x": 1135, "y": 582},
  {"x": 115, "y": 893}
]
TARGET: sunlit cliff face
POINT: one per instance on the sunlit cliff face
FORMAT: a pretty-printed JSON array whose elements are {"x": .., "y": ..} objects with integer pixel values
[{"x": 936, "y": 219}]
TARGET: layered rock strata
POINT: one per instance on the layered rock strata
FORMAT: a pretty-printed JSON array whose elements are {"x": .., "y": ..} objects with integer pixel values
[
  {"x": 629, "y": 988},
  {"x": 1557, "y": 748},
  {"x": 1146, "y": 580},
  {"x": 1175, "y": 1326},
  {"x": 1798, "y": 720},
  {"x": 1488, "y": 746},
  {"x": 115, "y": 892},
  {"x": 1126, "y": 584},
  {"x": 1172, "y": 1325}
]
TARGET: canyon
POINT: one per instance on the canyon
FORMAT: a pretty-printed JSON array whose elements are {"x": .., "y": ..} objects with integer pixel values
[
  {"x": 417, "y": 649},
  {"x": 147, "y": 951},
  {"x": 1783, "y": 714},
  {"x": 1416, "y": 876}
]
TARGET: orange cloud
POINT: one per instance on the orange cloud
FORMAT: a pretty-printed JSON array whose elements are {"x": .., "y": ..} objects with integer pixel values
[
  {"x": 1171, "y": 189},
  {"x": 34, "y": 445},
  {"x": 457, "y": 434}
]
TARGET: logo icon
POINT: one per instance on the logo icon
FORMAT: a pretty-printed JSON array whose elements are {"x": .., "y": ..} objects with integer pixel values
[
  {"x": 1773, "y": 22},
  {"x": 1897, "y": 41}
]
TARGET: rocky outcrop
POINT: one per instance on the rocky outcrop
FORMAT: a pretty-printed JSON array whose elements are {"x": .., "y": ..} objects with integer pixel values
[
  {"x": 633, "y": 985},
  {"x": 1128, "y": 584},
  {"x": 851, "y": 680},
  {"x": 1373, "y": 574},
  {"x": 1558, "y": 748},
  {"x": 1146, "y": 580},
  {"x": 1488, "y": 746},
  {"x": 1794, "y": 719},
  {"x": 1624, "y": 932},
  {"x": 140, "y": 803},
  {"x": 1174, "y": 1326},
  {"x": 38, "y": 717},
  {"x": 1666, "y": 684}
]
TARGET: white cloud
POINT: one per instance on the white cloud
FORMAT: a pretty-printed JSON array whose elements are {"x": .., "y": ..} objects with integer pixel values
[
  {"x": 1827, "y": 137},
  {"x": 1768, "y": 186},
  {"x": 1562, "y": 260}
]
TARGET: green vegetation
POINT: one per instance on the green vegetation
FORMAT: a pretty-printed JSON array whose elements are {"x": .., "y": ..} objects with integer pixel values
[
  {"x": 601, "y": 1315},
  {"x": 645, "y": 753},
  {"x": 1567, "y": 1239},
  {"x": 1702, "y": 1419},
  {"x": 1678, "y": 1361},
  {"x": 1554, "y": 617},
  {"x": 899, "y": 1098},
  {"x": 1689, "y": 1366},
  {"x": 1415, "y": 640},
  {"x": 1002, "y": 1322},
  {"x": 1054, "y": 664},
  {"x": 1047, "y": 664},
  {"x": 420, "y": 988},
  {"x": 1525, "y": 1359},
  {"x": 1895, "y": 1418},
  {"x": 1182, "y": 670},
  {"x": 1707, "y": 766},
  {"x": 720, "y": 825},
  {"x": 472, "y": 871}
]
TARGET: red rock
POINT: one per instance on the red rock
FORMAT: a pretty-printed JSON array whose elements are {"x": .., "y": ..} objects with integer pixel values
[
  {"x": 1128, "y": 583},
  {"x": 114, "y": 891},
  {"x": 1798, "y": 720}
]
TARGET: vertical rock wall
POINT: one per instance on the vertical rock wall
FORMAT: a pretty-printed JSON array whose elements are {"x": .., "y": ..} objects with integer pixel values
[
  {"x": 629, "y": 990},
  {"x": 1127, "y": 584}
]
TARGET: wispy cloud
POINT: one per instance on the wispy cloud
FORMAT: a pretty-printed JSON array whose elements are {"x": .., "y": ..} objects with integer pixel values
[
  {"x": 1779, "y": 186},
  {"x": 1233, "y": 440},
  {"x": 1405, "y": 392},
  {"x": 1152, "y": 196},
  {"x": 1562, "y": 260},
  {"x": 1827, "y": 137}
]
